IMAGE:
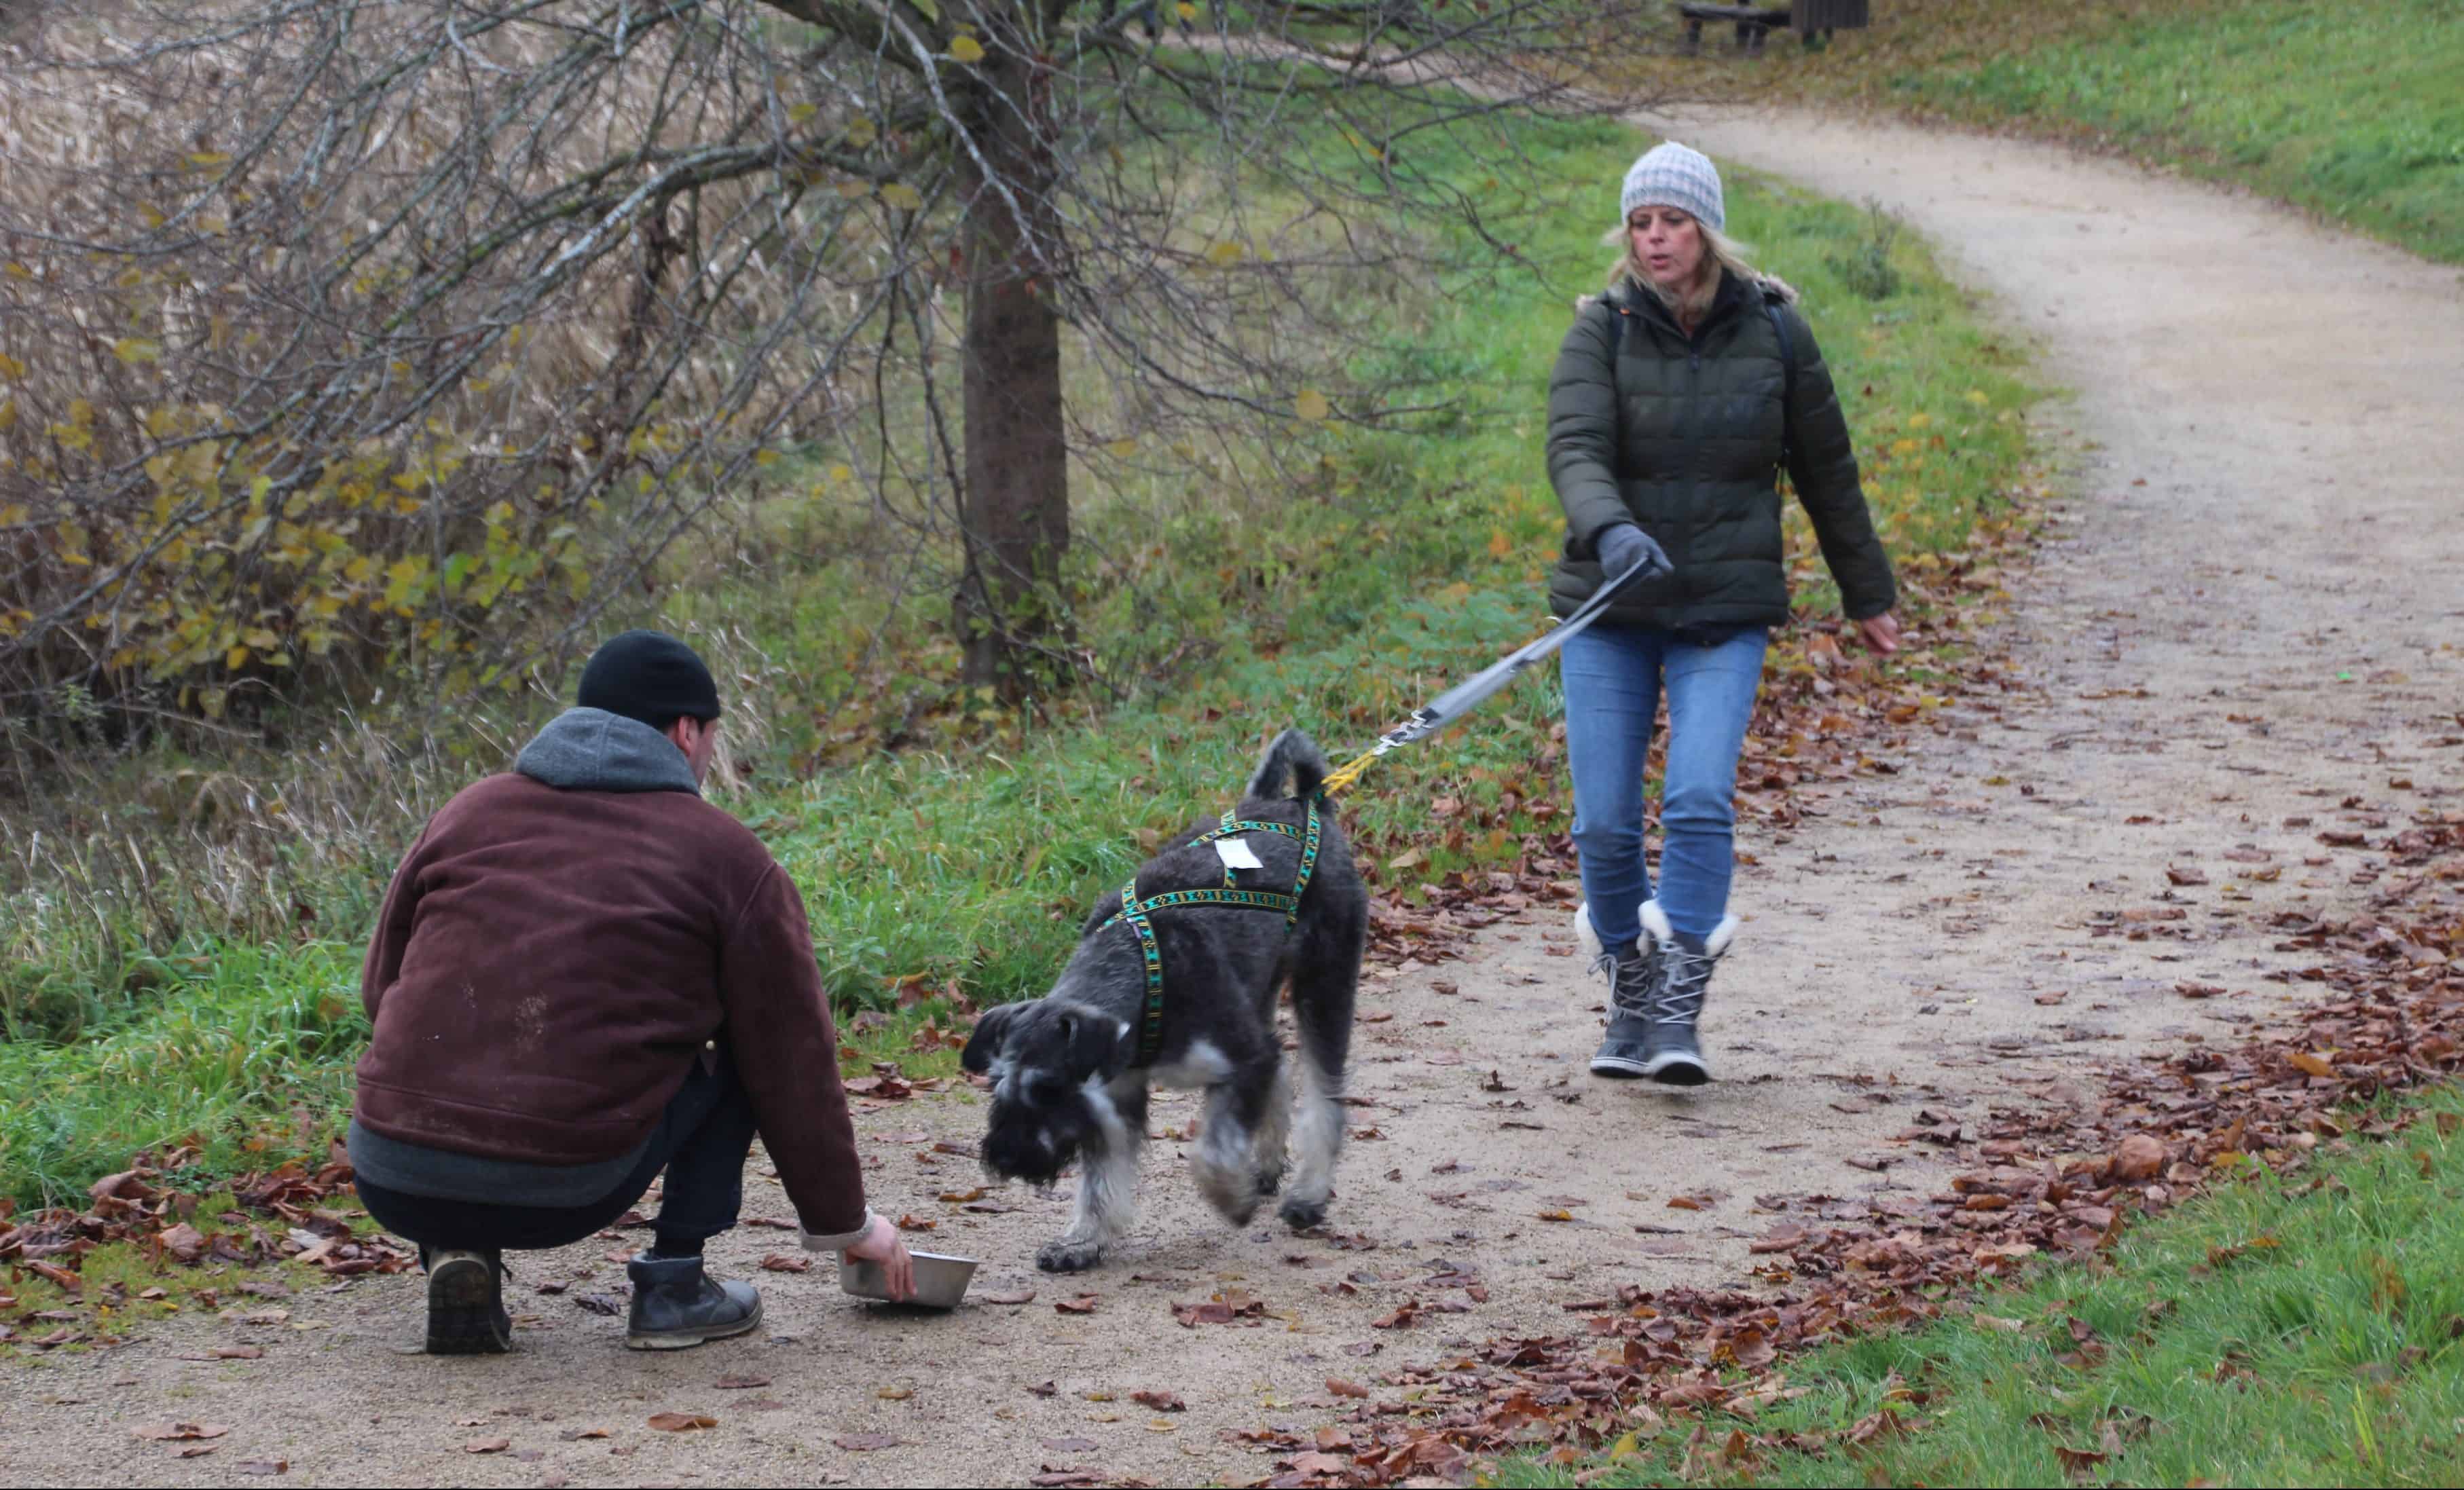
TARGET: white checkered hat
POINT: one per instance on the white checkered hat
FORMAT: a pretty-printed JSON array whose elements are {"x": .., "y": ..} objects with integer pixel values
[{"x": 1669, "y": 174}]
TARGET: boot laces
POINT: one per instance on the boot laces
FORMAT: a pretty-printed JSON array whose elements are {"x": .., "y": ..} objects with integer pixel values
[
  {"x": 1686, "y": 980},
  {"x": 1630, "y": 980}
]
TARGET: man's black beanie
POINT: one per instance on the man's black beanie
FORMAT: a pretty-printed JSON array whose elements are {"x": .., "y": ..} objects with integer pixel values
[{"x": 650, "y": 676}]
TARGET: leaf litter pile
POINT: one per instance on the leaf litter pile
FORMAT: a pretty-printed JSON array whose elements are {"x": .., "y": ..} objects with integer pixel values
[
  {"x": 284, "y": 1215},
  {"x": 2059, "y": 1181}
]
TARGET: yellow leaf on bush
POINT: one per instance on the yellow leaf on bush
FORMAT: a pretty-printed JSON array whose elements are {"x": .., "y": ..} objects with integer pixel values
[
  {"x": 801, "y": 112},
  {"x": 967, "y": 49},
  {"x": 1122, "y": 449},
  {"x": 133, "y": 350},
  {"x": 237, "y": 658},
  {"x": 11, "y": 367},
  {"x": 1226, "y": 253},
  {"x": 902, "y": 196},
  {"x": 1310, "y": 405}
]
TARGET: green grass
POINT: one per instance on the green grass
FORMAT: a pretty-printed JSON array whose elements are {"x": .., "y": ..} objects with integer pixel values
[
  {"x": 1402, "y": 561},
  {"x": 2355, "y": 112},
  {"x": 2289, "y": 1332}
]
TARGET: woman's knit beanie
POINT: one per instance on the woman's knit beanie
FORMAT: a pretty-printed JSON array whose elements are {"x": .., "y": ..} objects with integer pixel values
[{"x": 1669, "y": 174}]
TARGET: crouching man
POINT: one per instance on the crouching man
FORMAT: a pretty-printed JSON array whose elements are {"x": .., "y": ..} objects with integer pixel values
[{"x": 584, "y": 974}]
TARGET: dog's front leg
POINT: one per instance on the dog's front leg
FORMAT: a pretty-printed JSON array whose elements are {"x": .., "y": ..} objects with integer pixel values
[{"x": 1108, "y": 1186}]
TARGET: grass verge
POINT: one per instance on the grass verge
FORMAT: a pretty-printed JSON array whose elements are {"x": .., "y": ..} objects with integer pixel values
[
  {"x": 2355, "y": 113},
  {"x": 1410, "y": 557},
  {"x": 2281, "y": 1330}
]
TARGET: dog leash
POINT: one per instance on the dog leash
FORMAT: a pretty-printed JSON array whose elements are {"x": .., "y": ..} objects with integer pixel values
[{"x": 1465, "y": 696}]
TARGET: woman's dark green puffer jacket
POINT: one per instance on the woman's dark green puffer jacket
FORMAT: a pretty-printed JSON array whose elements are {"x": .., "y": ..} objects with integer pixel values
[{"x": 1684, "y": 436}]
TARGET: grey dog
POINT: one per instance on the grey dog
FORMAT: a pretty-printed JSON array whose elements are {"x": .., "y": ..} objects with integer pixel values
[{"x": 1067, "y": 1080}]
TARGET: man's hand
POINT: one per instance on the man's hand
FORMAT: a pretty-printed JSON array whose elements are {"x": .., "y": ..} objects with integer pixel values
[
  {"x": 881, "y": 1243},
  {"x": 1622, "y": 545},
  {"x": 1880, "y": 632}
]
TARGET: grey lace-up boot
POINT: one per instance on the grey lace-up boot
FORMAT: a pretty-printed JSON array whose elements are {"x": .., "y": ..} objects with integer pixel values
[
  {"x": 466, "y": 1305},
  {"x": 1674, "y": 1051},
  {"x": 1633, "y": 985},
  {"x": 676, "y": 1304}
]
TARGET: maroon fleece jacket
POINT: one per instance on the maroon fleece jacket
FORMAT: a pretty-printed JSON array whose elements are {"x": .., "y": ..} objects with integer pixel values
[{"x": 549, "y": 964}]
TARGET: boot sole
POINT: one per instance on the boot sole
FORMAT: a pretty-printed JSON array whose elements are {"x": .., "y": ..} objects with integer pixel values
[
  {"x": 1618, "y": 1070},
  {"x": 1678, "y": 1071},
  {"x": 462, "y": 1310},
  {"x": 686, "y": 1339}
]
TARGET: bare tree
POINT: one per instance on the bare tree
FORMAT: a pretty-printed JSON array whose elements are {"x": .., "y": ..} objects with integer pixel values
[{"x": 341, "y": 329}]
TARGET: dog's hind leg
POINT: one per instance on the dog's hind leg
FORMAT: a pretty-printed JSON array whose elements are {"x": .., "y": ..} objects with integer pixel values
[
  {"x": 1108, "y": 1183},
  {"x": 1226, "y": 1162},
  {"x": 1274, "y": 1128},
  {"x": 1325, "y": 984}
]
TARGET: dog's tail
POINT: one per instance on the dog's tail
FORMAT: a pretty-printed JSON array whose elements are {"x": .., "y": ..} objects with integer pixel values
[{"x": 1292, "y": 755}]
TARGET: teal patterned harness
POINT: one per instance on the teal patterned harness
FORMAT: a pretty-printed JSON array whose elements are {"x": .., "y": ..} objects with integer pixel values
[{"x": 1135, "y": 911}]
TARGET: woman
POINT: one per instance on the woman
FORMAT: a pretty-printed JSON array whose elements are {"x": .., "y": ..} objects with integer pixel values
[{"x": 1677, "y": 398}]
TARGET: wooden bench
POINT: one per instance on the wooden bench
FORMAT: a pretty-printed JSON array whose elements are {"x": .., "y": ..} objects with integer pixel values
[{"x": 1813, "y": 20}]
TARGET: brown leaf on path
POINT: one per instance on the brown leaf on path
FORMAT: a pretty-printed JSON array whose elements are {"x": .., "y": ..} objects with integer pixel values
[
  {"x": 740, "y": 1383},
  {"x": 868, "y": 1442},
  {"x": 572, "y": 1435},
  {"x": 237, "y": 1353},
  {"x": 180, "y": 1430},
  {"x": 2138, "y": 1157},
  {"x": 487, "y": 1445},
  {"x": 682, "y": 1422},
  {"x": 2189, "y": 990},
  {"x": 915, "y": 1223},
  {"x": 785, "y": 1262},
  {"x": 183, "y": 1241},
  {"x": 1345, "y": 1388},
  {"x": 2050, "y": 999},
  {"x": 2312, "y": 1064},
  {"x": 1070, "y": 1445},
  {"x": 1159, "y": 1401},
  {"x": 1403, "y": 1318},
  {"x": 1084, "y": 1303},
  {"x": 1010, "y": 1296},
  {"x": 263, "y": 1466},
  {"x": 962, "y": 1197},
  {"x": 2182, "y": 876}
]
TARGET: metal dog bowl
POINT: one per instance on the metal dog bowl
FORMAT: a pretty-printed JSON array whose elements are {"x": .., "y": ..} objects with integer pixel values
[{"x": 940, "y": 1280}]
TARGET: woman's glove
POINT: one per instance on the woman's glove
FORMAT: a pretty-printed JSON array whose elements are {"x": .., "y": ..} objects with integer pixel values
[{"x": 1622, "y": 545}]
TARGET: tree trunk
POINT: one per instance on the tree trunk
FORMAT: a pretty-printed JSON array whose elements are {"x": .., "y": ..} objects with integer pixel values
[{"x": 1014, "y": 507}]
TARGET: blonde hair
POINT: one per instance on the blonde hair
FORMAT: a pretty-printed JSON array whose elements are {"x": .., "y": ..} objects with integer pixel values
[{"x": 1719, "y": 250}]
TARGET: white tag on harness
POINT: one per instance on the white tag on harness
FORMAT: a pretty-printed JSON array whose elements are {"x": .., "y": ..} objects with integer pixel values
[{"x": 1236, "y": 854}]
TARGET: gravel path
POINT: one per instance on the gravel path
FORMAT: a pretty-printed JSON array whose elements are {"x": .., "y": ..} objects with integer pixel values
[{"x": 2246, "y": 617}]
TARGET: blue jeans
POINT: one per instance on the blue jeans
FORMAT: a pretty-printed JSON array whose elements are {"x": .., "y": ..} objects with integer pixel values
[{"x": 1613, "y": 676}]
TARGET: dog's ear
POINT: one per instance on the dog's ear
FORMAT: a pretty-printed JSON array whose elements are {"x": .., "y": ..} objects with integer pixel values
[
  {"x": 1093, "y": 1040},
  {"x": 987, "y": 1037}
]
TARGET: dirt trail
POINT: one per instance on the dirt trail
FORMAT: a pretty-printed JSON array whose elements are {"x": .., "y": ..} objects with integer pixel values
[{"x": 2249, "y": 614}]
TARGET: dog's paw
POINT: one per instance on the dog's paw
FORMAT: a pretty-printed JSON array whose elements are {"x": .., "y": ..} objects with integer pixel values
[
  {"x": 1068, "y": 1257},
  {"x": 1301, "y": 1214},
  {"x": 1270, "y": 1178}
]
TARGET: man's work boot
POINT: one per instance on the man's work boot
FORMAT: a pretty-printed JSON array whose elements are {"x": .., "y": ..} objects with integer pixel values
[
  {"x": 676, "y": 1304},
  {"x": 1676, "y": 1050},
  {"x": 466, "y": 1305}
]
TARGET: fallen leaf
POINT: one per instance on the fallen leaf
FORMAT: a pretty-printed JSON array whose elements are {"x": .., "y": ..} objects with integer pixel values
[
  {"x": 785, "y": 1262},
  {"x": 571, "y": 1435},
  {"x": 2312, "y": 1064},
  {"x": 178, "y": 1430},
  {"x": 1345, "y": 1388},
  {"x": 1084, "y": 1303},
  {"x": 1071, "y": 1445},
  {"x": 740, "y": 1383},
  {"x": 915, "y": 1223},
  {"x": 1159, "y": 1401},
  {"x": 682, "y": 1422},
  {"x": 263, "y": 1466},
  {"x": 487, "y": 1445},
  {"x": 1010, "y": 1296}
]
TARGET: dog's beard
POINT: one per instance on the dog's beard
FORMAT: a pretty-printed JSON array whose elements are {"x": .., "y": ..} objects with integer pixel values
[{"x": 1031, "y": 1143}]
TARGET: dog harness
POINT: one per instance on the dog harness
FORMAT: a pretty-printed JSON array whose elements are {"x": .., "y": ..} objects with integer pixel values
[{"x": 1135, "y": 911}]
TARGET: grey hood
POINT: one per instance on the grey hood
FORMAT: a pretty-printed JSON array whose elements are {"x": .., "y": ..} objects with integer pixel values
[{"x": 590, "y": 750}]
